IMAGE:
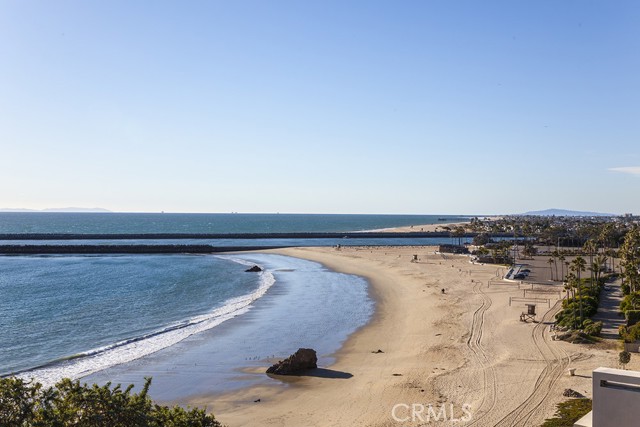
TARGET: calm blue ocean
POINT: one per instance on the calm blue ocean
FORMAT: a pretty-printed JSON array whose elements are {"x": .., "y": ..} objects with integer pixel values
[
  {"x": 59, "y": 307},
  {"x": 112, "y": 223},
  {"x": 73, "y": 316}
]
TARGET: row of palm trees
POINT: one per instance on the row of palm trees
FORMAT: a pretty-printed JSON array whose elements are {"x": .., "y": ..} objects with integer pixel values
[
  {"x": 630, "y": 261},
  {"x": 571, "y": 272},
  {"x": 607, "y": 232},
  {"x": 598, "y": 263},
  {"x": 602, "y": 259}
]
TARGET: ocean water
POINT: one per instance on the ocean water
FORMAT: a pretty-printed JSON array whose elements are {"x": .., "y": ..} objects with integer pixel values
[
  {"x": 193, "y": 322},
  {"x": 113, "y": 223},
  {"x": 190, "y": 322},
  {"x": 307, "y": 306},
  {"x": 100, "y": 310}
]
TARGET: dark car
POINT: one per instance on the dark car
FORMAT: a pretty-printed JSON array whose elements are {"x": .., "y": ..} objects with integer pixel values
[{"x": 520, "y": 276}]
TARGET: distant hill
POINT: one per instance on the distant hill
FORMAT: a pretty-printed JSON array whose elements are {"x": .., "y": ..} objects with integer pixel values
[
  {"x": 564, "y": 212},
  {"x": 77, "y": 210}
]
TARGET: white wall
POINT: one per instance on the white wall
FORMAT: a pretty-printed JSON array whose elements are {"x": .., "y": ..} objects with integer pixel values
[{"x": 616, "y": 398}]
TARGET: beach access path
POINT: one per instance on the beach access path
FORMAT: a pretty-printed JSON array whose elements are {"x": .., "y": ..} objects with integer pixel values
[{"x": 609, "y": 311}]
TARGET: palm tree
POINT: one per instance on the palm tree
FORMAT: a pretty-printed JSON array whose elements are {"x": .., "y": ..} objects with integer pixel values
[
  {"x": 571, "y": 291},
  {"x": 561, "y": 258},
  {"x": 590, "y": 247},
  {"x": 598, "y": 266},
  {"x": 555, "y": 256},
  {"x": 630, "y": 254},
  {"x": 459, "y": 233},
  {"x": 611, "y": 253},
  {"x": 606, "y": 236},
  {"x": 551, "y": 262},
  {"x": 578, "y": 265}
]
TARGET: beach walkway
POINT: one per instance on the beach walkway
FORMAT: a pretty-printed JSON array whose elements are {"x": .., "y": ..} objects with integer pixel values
[{"x": 608, "y": 311}]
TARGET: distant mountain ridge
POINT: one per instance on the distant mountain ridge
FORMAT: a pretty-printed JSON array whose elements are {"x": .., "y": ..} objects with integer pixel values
[
  {"x": 70, "y": 210},
  {"x": 564, "y": 212}
]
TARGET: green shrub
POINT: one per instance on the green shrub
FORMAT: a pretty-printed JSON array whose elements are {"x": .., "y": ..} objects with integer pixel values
[
  {"x": 632, "y": 317},
  {"x": 568, "y": 413},
  {"x": 592, "y": 328},
  {"x": 589, "y": 296},
  {"x": 71, "y": 404},
  {"x": 630, "y": 333},
  {"x": 630, "y": 302},
  {"x": 589, "y": 306},
  {"x": 481, "y": 239}
]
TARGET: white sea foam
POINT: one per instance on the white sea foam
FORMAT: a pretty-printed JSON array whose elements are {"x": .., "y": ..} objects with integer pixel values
[{"x": 97, "y": 359}]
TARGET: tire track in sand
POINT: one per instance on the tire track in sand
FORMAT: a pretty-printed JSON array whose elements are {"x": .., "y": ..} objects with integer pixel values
[
  {"x": 474, "y": 342},
  {"x": 556, "y": 361}
]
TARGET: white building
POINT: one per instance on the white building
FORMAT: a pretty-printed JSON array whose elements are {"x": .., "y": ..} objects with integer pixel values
[{"x": 616, "y": 399}]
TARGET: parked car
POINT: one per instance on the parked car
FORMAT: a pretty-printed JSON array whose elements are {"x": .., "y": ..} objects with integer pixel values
[{"x": 520, "y": 276}]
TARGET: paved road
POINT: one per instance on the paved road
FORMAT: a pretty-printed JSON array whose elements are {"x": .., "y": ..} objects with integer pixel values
[{"x": 608, "y": 311}]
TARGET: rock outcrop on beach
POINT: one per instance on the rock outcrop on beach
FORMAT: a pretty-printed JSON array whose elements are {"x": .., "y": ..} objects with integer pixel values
[
  {"x": 254, "y": 269},
  {"x": 297, "y": 363}
]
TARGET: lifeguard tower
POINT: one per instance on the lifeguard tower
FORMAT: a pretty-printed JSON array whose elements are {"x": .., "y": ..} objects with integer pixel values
[{"x": 530, "y": 314}]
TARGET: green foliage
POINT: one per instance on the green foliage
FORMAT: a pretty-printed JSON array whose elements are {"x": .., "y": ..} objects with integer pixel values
[
  {"x": 25, "y": 404},
  {"x": 529, "y": 250},
  {"x": 18, "y": 401},
  {"x": 631, "y": 333},
  {"x": 568, "y": 413},
  {"x": 577, "y": 337},
  {"x": 632, "y": 317},
  {"x": 592, "y": 328},
  {"x": 630, "y": 302},
  {"x": 586, "y": 294},
  {"x": 630, "y": 253},
  {"x": 481, "y": 239},
  {"x": 571, "y": 307}
]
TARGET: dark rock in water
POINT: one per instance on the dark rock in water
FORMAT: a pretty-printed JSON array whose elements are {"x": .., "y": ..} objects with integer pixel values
[
  {"x": 571, "y": 393},
  {"x": 254, "y": 269},
  {"x": 300, "y": 361}
]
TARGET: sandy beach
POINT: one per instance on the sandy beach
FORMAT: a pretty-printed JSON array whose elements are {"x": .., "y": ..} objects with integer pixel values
[
  {"x": 426, "y": 227},
  {"x": 465, "y": 348},
  {"x": 440, "y": 226}
]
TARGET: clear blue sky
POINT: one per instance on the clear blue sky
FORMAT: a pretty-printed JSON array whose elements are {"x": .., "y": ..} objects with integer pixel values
[{"x": 320, "y": 106}]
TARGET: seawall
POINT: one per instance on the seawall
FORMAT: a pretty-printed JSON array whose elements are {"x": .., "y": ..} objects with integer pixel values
[
  {"x": 124, "y": 249},
  {"x": 157, "y": 236}
]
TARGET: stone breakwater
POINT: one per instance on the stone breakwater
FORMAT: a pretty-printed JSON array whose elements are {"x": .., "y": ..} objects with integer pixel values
[
  {"x": 124, "y": 249},
  {"x": 159, "y": 236}
]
